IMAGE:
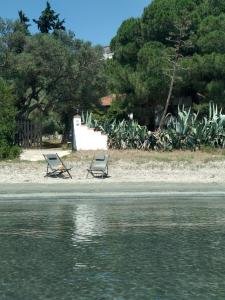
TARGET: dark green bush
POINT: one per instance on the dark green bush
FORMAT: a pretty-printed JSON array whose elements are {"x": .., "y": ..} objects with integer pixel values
[
  {"x": 9, "y": 152},
  {"x": 7, "y": 122},
  {"x": 50, "y": 123}
]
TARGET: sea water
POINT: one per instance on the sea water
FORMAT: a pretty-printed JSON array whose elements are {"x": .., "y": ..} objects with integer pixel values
[{"x": 147, "y": 248}]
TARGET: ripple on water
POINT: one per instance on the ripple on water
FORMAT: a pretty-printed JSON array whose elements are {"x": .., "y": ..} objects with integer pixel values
[{"x": 113, "y": 250}]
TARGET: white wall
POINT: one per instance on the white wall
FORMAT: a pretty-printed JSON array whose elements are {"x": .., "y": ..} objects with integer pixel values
[{"x": 86, "y": 138}]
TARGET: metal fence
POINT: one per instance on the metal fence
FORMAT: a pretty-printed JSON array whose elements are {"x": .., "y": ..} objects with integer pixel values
[{"x": 28, "y": 134}]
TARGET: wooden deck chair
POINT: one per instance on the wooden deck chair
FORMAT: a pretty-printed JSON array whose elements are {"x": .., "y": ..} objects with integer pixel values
[
  {"x": 55, "y": 166},
  {"x": 99, "y": 166}
]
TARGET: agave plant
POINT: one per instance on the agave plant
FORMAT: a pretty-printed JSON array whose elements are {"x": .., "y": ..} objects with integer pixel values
[
  {"x": 212, "y": 129},
  {"x": 185, "y": 131},
  {"x": 88, "y": 119},
  {"x": 181, "y": 130},
  {"x": 126, "y": 134}
]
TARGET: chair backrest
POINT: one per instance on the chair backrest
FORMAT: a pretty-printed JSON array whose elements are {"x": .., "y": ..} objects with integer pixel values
[
  {"x": 100, "y": 161},
  {"x": 100, "y": 157},
  {"x": 53, "y": 160}
]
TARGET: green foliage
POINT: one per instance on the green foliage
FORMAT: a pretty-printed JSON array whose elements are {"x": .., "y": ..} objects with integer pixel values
[
  {"x": 128, "y": 41},
  {"x": 151, "y": 72},
  {"x": 53, "y": 75},
  {"x": 160, "y": 16},
  {"x": 12, "y": 40},
  {"x": 49, "y": 20},
  {"x": 51, "y": 72},
  {"x": 118, "y": 110},
  {"x": 186, "y": 131},
  {"x": 7, "y": 122},
  {"x": 50, "y": 122},
  {"x": 35, "y": 71},
  {"x": 210, "y": 34},
  {"x": 125, "y": 134},
  {"x": 23, "y": 19},
  {"x": 87, "y": 119},
  {"x": 144, "y": 55}
]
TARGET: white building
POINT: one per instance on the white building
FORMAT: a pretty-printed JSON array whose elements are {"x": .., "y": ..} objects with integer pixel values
[
  {"x": 86, "y": 138},
  {"x": 107, "y": 53}
]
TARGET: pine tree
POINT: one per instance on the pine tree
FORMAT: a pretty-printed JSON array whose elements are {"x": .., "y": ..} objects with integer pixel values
[
  {"x": 49, "y": 20},
  {"x": 23, "y": 19}
]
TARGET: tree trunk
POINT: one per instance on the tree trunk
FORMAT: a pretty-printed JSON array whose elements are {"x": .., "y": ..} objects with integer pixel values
[{"x": 161, "y": 123}]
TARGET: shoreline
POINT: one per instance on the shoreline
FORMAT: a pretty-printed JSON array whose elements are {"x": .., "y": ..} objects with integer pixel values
[{"x": 113, "y": 190}]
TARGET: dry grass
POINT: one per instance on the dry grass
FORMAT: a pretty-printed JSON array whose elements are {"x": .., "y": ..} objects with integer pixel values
[{"x": 142, "y": 157}]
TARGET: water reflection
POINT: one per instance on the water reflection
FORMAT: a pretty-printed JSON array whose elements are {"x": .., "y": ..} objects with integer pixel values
[{"x": 87, "y": 223}]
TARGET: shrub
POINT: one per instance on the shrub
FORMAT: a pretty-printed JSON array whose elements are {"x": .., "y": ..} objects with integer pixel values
[
  {"x": 7, "y": 122},
  {"x": 186, "y": 131}
]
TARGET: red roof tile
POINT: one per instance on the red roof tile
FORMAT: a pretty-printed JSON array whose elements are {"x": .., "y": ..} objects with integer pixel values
[{"x": 107, "y": 100}]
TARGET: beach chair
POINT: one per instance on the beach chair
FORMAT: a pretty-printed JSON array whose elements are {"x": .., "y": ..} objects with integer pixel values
[
  {"x": 99, "y": 166},
  {"x": 55, "y": 166}
]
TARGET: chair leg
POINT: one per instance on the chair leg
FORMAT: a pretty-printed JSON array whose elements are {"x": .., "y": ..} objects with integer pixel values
[
  {"x": 69, "y": 174},
  {"x": 46, "y": 175}
]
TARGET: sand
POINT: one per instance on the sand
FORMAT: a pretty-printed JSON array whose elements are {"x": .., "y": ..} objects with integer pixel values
[{"x": 123, "y": 167}]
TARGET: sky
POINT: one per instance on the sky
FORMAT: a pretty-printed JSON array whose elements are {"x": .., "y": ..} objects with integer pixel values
[{"x": 96, "y": 21}]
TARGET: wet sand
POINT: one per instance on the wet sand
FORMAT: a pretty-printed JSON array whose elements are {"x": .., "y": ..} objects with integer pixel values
[{"x": 103, "y": 190}]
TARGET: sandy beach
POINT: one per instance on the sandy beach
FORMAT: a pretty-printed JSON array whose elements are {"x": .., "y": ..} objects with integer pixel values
[{"x": 124, "y": 166}]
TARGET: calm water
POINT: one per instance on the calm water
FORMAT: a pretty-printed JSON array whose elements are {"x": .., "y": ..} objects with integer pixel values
[{"x": 113, "y": 249}]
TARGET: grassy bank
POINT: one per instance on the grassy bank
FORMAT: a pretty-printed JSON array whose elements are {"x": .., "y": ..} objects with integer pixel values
[{"x": 139, "y": 156}]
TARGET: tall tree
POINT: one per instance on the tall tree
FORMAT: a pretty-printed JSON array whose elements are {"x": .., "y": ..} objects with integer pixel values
[
  {"x": 199, "y": 68},
  {"x": 53, "y": 74},
  {"x": 127, "y": 42},
  {"x": 23, "y": 19},
  {"x": 49, "y": 20},
  {"x": 181, "y": 42}
]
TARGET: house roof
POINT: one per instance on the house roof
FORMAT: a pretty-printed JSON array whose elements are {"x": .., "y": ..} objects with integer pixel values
[{"x": 107, "y": 100}]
